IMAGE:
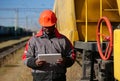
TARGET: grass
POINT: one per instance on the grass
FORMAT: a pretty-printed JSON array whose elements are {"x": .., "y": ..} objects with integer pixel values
[
  {"x": 74, "y": 72},
  {"x": 14, "y": 69}
]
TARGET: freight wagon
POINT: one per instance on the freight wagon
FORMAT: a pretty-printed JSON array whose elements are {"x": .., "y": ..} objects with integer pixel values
[
  {"x": 10, "y": 31},
  {"x": 90, "y": 25}
]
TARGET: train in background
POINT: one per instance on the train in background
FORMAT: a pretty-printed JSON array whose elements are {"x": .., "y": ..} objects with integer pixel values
[{"x": 10, "y": 31}]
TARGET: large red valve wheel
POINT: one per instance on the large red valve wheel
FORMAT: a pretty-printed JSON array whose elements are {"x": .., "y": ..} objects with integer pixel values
[{"x": 106, "y": 55}]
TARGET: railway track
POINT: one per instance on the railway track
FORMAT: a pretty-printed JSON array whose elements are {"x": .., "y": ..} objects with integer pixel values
[{"x": 6, "y": 51}]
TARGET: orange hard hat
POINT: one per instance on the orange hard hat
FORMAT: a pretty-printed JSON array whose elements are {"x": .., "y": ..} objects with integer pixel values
[{"x": 47, "y": 18}]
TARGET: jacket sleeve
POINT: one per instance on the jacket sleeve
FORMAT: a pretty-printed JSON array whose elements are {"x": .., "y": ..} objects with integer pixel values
[
  {"x": 70, "y": 54},
  {"x": 29, "y": 56}
]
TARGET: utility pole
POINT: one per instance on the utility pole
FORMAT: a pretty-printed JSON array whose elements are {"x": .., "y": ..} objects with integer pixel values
[
  {"x": 26, "y": 24},
  {"x": 16, "y": 21}
]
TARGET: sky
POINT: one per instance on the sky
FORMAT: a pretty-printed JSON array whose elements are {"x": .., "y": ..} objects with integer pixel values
[{"x": 24, "y": 13}]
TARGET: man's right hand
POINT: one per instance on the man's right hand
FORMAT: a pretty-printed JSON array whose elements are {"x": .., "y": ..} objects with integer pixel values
[{"x": 40, "y": 62}]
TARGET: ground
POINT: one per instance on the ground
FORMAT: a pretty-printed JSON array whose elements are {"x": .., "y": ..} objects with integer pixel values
[{"x": 15, "y": 70}]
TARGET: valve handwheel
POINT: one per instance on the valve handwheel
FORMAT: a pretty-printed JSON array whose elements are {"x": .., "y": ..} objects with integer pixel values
[{"x": 106, "y": 55}]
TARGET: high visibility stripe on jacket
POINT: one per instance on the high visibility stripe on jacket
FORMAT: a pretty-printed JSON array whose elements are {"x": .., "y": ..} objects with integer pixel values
[
  {"x": 40, "y": 33},
  {"x": 59, "y": 43}
]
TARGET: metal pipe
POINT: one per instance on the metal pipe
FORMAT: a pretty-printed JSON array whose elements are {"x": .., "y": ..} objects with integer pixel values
[
  {"x": 86, "y": 20},
  {"x": 100, "y": 17}
]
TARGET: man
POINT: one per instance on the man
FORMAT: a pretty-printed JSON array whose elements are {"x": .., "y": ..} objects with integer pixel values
[{"x": 47, "y": 41}]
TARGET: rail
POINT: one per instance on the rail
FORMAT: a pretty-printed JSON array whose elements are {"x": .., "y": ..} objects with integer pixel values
[{"x": 10, "y": 49}]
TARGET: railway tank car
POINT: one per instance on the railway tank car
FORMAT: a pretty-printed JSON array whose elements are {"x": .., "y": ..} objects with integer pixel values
[{"x": 93, "y": 26}]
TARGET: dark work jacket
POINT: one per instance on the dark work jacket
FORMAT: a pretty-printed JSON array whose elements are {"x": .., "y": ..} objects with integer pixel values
[{"x": 43, "y": 44}]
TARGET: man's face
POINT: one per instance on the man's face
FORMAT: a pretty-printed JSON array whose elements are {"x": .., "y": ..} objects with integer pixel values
[{"x": 49, "y": 30}]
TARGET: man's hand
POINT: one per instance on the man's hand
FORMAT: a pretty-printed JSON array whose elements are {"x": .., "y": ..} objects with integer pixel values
[
  {"x": 40, "y": 62},
  {"x": 60, "y": 61}
]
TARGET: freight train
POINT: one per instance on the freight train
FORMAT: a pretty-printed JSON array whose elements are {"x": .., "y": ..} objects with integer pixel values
[
  {"x": 93, "y": 26},
  {"x": 10, "y": 31}
]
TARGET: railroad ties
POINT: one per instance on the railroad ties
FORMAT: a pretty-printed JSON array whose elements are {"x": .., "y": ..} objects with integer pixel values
[{"x": 10, "y": 49}]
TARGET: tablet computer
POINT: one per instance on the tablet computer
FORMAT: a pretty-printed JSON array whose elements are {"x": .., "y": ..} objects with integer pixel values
[{"x": 50, "y": 58}]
